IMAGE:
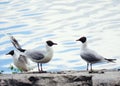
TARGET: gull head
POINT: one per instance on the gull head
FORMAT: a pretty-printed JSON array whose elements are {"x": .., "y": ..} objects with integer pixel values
[
  {"x": 50, "y": 43},
  {"x": 82, "y": 39},
  {"x": 11, "y": 53}
]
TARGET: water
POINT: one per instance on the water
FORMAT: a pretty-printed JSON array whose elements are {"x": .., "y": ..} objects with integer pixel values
[{"x": 33, "y": 22}]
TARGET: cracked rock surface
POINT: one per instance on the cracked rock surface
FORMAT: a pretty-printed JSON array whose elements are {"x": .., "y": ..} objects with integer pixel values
[{"x": 64, "y": 78}]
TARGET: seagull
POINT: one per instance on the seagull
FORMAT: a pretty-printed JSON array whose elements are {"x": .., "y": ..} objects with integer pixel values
[
  {"x": 41, "y": 56},
  {"x": 91, "y": 56},
  {"x": 19, "y": 60},
  {"x": 38, "y": 56}
]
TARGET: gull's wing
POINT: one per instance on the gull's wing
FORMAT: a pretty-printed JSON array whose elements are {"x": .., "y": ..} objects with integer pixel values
[
  {"x": 35, "y": 55},
  {"x": 91, "y": 56},
  {"x": 14, "y": 42}
]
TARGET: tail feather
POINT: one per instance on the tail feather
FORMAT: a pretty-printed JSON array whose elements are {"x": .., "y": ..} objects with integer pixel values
[{"x": 110, "y": 60}]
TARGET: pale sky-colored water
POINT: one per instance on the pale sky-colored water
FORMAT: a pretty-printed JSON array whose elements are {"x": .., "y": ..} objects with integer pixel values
[{"x": 33, "y": 22}]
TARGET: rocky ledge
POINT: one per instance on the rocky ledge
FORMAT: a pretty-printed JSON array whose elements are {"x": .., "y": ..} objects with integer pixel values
[{"x": 66, "y": 78}]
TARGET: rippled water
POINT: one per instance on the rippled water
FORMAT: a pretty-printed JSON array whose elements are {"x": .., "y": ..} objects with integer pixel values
[{"x": 33, "y": 22}]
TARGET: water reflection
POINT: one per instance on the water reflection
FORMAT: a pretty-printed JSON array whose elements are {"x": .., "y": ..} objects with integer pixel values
[{"x": 33, "y": 22}]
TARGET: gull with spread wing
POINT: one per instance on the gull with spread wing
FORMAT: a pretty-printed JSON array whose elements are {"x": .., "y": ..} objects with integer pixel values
[
  {"x": 38, "y": 56},
  {"x": 19, "y": 60}
]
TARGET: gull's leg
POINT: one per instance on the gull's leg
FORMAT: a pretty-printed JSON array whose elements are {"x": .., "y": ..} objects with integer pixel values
[
  {"x": 38, "y": 67},
  {"x": 90, "y": 66},
  {"x": 41, "y": 67},
  {"x": 87, "y": 66},
  {"x": 91, "y": 71}
]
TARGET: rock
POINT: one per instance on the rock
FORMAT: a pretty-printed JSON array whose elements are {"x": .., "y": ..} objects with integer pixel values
[{"x": 66, "y": 78}]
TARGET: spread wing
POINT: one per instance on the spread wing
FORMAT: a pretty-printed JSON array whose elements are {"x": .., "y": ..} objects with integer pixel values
[{"x": 14, "y": 42}]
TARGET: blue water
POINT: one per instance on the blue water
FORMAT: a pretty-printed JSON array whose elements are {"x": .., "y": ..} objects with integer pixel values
[{"x": 33, "y": 22}]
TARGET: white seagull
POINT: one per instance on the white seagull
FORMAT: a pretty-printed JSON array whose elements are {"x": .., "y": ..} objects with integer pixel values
[
  {"x": 38, "y": 56},
  {"x": 91, "y": 56},
  {"x": 20, "y": 61}
]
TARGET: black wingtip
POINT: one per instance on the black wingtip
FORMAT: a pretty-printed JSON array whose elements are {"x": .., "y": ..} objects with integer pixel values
[
  {"x": 22, "y": 50},
  {"x": 110, "y": 60}
]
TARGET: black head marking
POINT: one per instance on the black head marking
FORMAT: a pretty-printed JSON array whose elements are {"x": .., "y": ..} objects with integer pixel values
[
  {"x": 11, "y": 53},
  {"x": 50, "y": 43},
  {"x": 82, "y": 39}
]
